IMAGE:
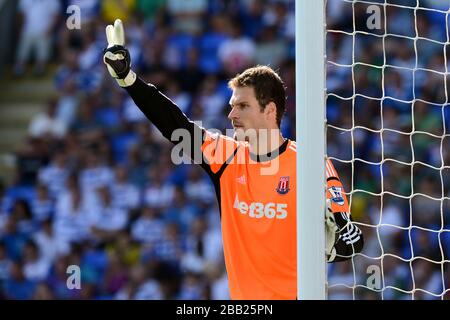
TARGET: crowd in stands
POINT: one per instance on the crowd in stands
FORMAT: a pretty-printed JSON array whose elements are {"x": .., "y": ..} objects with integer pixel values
[{"x": 95, "y": 185}]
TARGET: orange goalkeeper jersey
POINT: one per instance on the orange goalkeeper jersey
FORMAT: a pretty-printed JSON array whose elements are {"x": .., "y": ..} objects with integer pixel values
[
  {"x": 257, "y": 199},
  {"x": 258, "y": 205}
]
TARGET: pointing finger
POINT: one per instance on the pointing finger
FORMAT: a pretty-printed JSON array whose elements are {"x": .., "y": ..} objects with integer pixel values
[
  {"x": 110, "y": 35},
  {"x": 119, "y": 35}
]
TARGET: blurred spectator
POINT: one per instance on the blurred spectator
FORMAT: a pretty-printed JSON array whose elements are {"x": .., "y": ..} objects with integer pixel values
[
  {"x": 36, "y": 33},
  {"x": 270, "y": 49},
  {"x": 13, "y": 240},
  {"x": 210, "y": 42},
  {"x": 94, "y": 175},
  {"x": 86, "y": 125},
  {"x": 124, "y": 194},
  {"x": 212, "y": 102},
  {"x": 93, "y": 261},
  {"x": 131, "y": 113},
  {"x": 192, "y": 288},
  {"x": 219, "y": 282},
  {"x": 252, "y": 17},
  {"x": 50, "y": 247},
  {"x": 42, "y": 206},
  {"x": 169, "y": 250},
  {"x": 43, "y": 292},
  {"x": 117, "y": 9},
  {"x": 55, "y": 174},
  {"x": 36, "y": 267},
  {"x": 203, "y": 247},
  {"x": 150, "y": 8},
  {"x": 90, "y": 76},
  {"x": 428, "y": 279},
  {"x": 396, "y": 274},
  {"x": 136, "y": 169},
  {"x": 180, "y": 98},
  {"x": 147, "y": 148},
  {"x": 109, "y": 114},
  {"x": 108, "y": 219},
  {"x": 57, "y": 279},
  {"x": 140, "y": 286},
  {"x": 122, "y": 141},
  {"x": 22, "y": 215},
  {"x": 176, "y": 52},
  {"x": 17, "y": 287},
  {"x": 237, "y": 52},
  {"x": 47, "y": 123},
  {"x": 127, "y": 249},
  {"x": 5, "y": 202},
  {"x": 191, "y": 75},
  {"x": 148, "y": 228},
  {"x": 5, "y": 264},
  {"x": 187, "y": 16},
  {"x": 340, "y": 282},
  {"x": 392, "y": 218},
  {"x": 182, "y": 211},
  {"x": 116, "y": 275},
  {"x": 197, "y": 188},
  {"x": 68, "y": 101},
  {"x": 72, "y": 219},
  {"x": 158, "y": 193}
]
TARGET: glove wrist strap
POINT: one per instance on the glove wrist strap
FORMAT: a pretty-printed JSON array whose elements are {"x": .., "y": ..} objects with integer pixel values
[
  {"x": 332, "y": 255},
  {"x": 128, "y": 80},
  {"x": 342, "y": 220}
]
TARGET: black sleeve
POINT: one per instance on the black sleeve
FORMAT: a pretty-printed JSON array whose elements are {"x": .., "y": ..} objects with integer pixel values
[
  {"x": 167, "y": 117},
  {"x": 171, "y": 121},
  {"x": 350, "y": 239}
]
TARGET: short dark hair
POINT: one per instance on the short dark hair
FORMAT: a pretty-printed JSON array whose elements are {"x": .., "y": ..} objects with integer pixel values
[{"x": 268, "y": 87}]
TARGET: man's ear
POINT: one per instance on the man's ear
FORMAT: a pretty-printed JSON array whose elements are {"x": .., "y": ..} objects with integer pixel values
[{"x": 271, "y": 109}]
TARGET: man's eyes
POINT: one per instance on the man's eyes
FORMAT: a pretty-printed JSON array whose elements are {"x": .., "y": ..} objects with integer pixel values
[{"x": 239, "y": 106}]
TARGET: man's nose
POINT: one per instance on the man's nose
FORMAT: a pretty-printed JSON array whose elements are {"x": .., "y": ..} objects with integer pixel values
[{"x": 233, "y": 114}]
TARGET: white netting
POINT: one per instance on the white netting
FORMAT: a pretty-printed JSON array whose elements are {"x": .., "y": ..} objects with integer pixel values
[{"x": 388, "y": 112}]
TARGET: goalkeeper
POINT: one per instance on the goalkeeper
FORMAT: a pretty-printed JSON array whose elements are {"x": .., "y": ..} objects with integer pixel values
[{"x": 254, "y": 176}]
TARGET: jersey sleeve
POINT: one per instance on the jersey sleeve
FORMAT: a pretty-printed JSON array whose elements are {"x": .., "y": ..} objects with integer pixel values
[
  {"x": 218, "y": 150},
  {"x": 210, "y": 150},
  {"x": 335, "y": 191},
  {"x": 350, "y": 239}
]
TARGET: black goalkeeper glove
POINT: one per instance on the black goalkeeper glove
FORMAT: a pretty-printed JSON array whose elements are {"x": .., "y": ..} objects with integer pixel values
[
  {"x": 334, "y": 223},
  {"x": 117, "y": 57},
  {"x": 343, "y": 238}
]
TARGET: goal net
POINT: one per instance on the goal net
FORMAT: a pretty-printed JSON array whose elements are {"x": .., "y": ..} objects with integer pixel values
[{"x": 388, "y": 114}]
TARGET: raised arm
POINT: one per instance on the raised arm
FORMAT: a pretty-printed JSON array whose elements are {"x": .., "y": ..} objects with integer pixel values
[
  {"x": 199, "y": 144},
  {"x": 158, "y": 108}
]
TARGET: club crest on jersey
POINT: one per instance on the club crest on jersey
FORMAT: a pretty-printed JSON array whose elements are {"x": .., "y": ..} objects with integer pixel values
[
  {"x": 283, "y": 185},
  {"x": 336, "y": 195}
]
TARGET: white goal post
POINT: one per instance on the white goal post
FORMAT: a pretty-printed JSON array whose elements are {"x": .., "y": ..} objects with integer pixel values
[{"x": 310, "y": 135}]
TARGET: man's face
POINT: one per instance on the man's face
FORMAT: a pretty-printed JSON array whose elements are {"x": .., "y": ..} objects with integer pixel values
[{"x": 246, "y": 113}]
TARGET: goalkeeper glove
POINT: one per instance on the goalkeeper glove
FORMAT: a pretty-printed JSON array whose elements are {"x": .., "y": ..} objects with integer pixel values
[
  {"x": 334, "y": 224},
  {"x": 117, "y": 57}
]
